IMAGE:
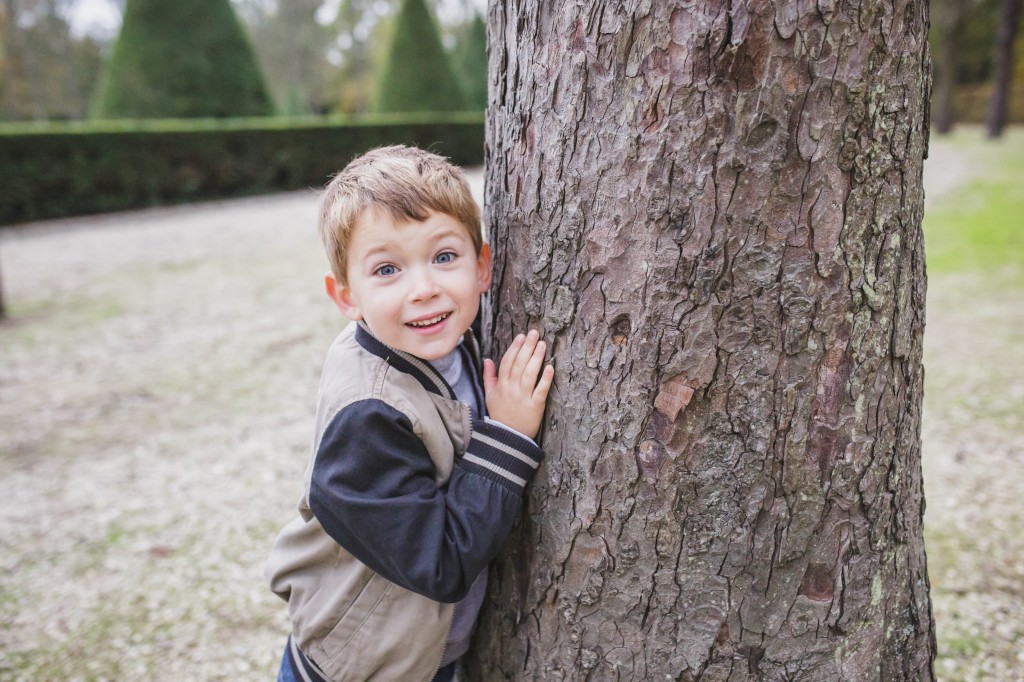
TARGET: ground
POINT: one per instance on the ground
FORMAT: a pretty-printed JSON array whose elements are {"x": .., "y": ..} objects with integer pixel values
[
  {"x": 157, "y": 381},
  {"x": 973, "y": 425}
]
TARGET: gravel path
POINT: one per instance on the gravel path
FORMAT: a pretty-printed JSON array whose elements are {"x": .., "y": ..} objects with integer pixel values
[
  {"x": 157, "y": 383},
  {"x": 157, "y": 386}
]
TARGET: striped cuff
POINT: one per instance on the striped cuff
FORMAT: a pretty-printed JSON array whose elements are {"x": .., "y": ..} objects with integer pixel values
[{"x": 501, "y": 455}]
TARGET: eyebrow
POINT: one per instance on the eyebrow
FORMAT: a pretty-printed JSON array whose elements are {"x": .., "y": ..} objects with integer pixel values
[
  {"x": 385, "y": 247},
  {"x": 377, "y": 248},
  {"x": 448, "y": 232}
]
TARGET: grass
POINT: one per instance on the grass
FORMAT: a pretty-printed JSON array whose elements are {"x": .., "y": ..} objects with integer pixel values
[{"x": 980, "y": 226}]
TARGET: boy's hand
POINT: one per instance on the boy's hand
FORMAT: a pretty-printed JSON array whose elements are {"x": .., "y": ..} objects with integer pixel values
[{"x": 514, "y": 395}]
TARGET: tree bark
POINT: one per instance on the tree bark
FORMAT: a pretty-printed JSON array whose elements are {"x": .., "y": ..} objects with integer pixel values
[
  {"x": 714, "y": 212},
  {"x": 1002, "y": 80}
]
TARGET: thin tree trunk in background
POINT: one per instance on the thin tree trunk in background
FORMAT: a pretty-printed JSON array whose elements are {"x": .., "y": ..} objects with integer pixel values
[
  {"x": 948, "y": 15},
  {"x": 714, "y": 212},
  {"x": 1003, "y": 78}
]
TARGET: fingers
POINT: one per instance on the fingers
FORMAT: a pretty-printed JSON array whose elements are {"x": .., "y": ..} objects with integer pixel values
[
  {"x": 517, "y": 390},
  {"x": 523, "y": 361},
  {"x": 533, "y": 364},
  {"x": 490, "y": 375},
  {"x": 508, "y": 360},
  {"x": 540, "y": 394},
  {"x": 525, "y": 351}
]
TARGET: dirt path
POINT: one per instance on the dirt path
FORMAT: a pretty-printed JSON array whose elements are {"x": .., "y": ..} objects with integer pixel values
[{"x": 156, "y": 390}]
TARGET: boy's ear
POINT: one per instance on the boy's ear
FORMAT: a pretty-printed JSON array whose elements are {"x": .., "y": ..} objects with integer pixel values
[
  {"x": 483, "y": 265},
  {"x": 342, "y": 297}
]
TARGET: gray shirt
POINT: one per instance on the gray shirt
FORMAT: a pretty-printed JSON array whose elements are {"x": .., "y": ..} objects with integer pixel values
[{"x": 454, "y": 367}]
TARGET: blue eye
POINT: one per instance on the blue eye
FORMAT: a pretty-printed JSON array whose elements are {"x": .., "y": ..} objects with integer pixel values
[
  {"x": 386, "y": 270},
  {"x": 444, "y": 258}
]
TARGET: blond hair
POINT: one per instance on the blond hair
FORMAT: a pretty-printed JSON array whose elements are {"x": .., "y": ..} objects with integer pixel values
[{"x": 405, "y": 182}]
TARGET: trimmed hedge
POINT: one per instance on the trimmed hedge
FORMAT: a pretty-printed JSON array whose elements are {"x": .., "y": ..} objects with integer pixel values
[
  {"x": 471, "y": 61},
  {"x": 58, "y": 170},
  {"x": 417, "y": 73},
  {"x": 181, "y": 59}
]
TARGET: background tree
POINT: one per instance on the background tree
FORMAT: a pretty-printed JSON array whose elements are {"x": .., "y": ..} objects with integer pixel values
[
  {"x": 45, "y": 71},
  {"x": 291, "y": 46},
  {"x": 963, "y": 32},
  {"x": 188, "y": 58},
  {"x": 715, "y": 214},
  {"x": 947, "y": 25},
  {"x": 362, "y": 32},
  {"x": 1006, "y": 35},
  {"x": 471, "y": 62},
  {"x": 417, "y": 74}
]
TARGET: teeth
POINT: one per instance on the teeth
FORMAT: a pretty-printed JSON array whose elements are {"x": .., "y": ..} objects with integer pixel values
[{"x": 427, "y": 323}]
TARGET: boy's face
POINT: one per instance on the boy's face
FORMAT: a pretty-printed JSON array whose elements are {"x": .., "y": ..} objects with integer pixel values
[{"x": 417, "y": 285}]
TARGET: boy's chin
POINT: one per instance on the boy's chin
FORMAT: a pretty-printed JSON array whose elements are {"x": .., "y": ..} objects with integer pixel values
[
  {"x": 432, "y": 352},
  {"x": 425, "y": 348}
]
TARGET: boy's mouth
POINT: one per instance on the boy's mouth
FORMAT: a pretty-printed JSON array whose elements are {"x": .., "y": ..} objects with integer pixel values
[{"x": 428, "y": 322}]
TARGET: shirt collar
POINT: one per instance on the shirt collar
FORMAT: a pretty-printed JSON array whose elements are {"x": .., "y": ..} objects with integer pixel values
[{"x": 420, "y": 369}]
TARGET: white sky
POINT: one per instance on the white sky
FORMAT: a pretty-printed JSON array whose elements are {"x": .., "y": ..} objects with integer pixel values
[{"x": 98, "y": 18}]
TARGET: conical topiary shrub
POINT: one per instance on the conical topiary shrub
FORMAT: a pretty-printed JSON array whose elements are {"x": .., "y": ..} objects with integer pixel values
[
  {"x": 417, "y": 75},
  {"x": 181, "y": 59},
  {"x": 471, "y": 62}
]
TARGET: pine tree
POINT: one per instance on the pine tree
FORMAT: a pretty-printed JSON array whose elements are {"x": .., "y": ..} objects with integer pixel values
[
  {"x": 471, "y": 61},
  {"x": 417, "y": 75},
  {"x": 181, "y": 58}
]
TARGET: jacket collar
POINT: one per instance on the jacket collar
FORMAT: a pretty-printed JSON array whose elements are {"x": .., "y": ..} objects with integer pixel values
[{"x": 421, "y": 370}]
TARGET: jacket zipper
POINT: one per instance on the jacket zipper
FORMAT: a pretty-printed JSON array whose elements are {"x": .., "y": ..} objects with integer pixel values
[{"x": 448, "y": 631}]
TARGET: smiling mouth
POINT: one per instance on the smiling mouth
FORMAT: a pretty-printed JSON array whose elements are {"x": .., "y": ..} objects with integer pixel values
[{"x": 421, "y": 324}]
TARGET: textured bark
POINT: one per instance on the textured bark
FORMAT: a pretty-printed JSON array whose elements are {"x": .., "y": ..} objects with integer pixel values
[
  {"x": 1009, "y": 17},
  {"x": 714, "y": 211}
]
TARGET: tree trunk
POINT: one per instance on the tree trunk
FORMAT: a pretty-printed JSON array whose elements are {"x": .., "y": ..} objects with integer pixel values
[
  {"x": 714, "y": 212},
  {"x": 1005, "y": 37}
]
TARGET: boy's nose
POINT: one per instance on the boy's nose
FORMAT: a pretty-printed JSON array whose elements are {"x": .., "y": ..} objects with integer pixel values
[{"x": 424, "y": 287}]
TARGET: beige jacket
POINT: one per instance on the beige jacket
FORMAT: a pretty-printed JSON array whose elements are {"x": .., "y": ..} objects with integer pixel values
[{"x": 408, "y": 495}]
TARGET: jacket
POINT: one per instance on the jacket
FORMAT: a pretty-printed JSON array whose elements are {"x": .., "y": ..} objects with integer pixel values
[{"x": 408, "y": 496}]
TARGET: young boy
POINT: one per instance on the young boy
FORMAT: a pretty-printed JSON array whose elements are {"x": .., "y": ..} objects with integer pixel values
[{"x": 416, "y": 474}]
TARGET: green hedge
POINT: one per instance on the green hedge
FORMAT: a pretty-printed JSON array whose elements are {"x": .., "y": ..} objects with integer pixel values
[
  {"x": 57, "y": 170},
  {"x": 186, "y": 59},
  {"x": 417, "y": 73}
]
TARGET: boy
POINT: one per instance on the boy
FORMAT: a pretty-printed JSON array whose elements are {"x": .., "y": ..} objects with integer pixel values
[{"x": 411, "y": 490}]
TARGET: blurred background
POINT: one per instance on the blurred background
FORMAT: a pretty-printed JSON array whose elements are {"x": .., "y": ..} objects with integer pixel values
[
  {"x": 325, "y": 56},
  {"x": 315, "y": 56},
  {"x": 162, "y": 322}
]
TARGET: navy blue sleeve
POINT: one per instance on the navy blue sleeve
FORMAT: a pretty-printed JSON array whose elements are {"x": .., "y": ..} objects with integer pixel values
[{"x": 373, "y": 491}]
